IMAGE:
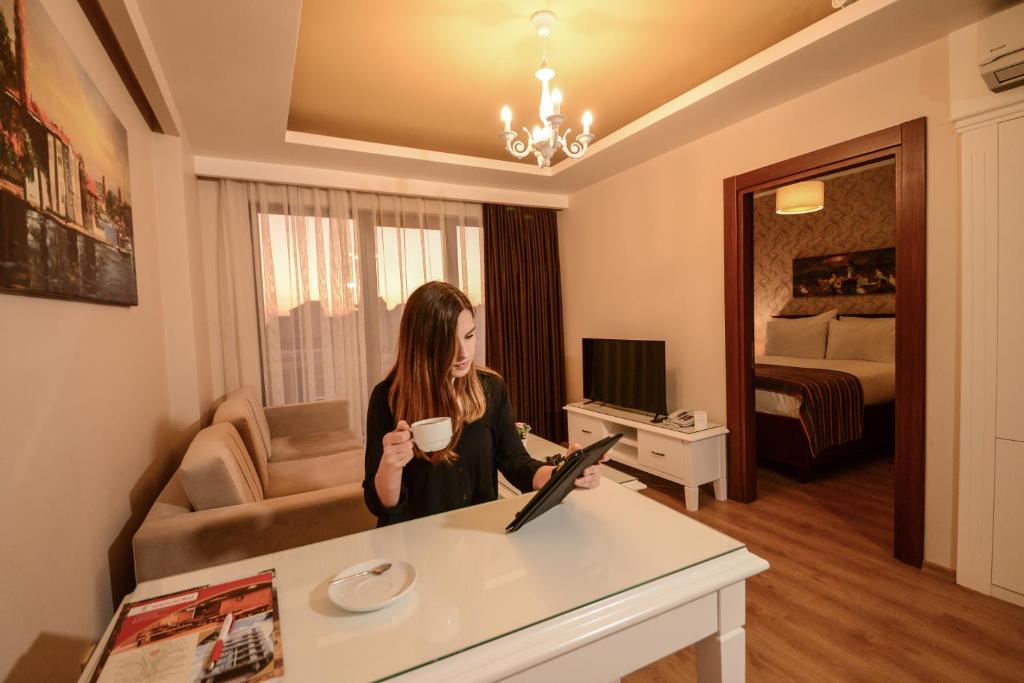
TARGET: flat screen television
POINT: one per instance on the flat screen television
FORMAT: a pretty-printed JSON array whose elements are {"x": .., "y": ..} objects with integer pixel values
[{"x": 628, "y": 373}]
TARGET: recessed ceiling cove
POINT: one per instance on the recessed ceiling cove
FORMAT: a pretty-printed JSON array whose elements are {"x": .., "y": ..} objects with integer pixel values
[{"x": 434, "y": 74}]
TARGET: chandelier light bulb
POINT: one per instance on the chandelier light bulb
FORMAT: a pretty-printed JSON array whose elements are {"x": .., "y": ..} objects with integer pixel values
[
  {"x": 506, "y": 116},
  {"x": 537, "y": 133},
  {"x": 588, "y": 119},
  {"x": 556, "y": 98},
  {"x": 546, "y": 106}
]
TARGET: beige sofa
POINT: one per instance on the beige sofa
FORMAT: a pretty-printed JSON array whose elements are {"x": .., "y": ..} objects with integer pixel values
[{"x": 256, "y": 482}]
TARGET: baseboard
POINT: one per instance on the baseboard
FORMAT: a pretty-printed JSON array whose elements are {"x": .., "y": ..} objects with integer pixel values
[
  {"x": 1008, "y": 596},
  {"x": 939, "y": 571}
]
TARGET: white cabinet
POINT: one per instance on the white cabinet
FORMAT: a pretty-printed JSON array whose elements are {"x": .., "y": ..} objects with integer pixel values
[
  {"x": 1010, "y": 301},
  {"x": 1008, "y": 530},
  {"x": 661, "y": 453},
  {"x": 690, "y": 459},
  {"x": 990, "y": 515},
  {"x": 585, "y": 430}
]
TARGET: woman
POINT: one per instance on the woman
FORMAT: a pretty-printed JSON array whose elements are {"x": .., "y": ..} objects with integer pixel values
[{"x": 434, "y": 376}]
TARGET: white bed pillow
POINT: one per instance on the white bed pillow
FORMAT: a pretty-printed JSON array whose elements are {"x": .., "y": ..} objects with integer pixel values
[
  {"x": 798, "y": 337},
  {"x": 862, "y": 339}
]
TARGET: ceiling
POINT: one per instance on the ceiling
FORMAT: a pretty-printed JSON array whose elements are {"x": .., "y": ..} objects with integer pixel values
[
  {"x": 434, "y": 74},
  {"x": 227, "y": 70}
]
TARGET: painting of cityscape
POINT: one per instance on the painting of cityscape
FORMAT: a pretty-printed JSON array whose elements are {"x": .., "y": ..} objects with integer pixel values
[
  {"x": 858, "y": 272},
  {"x": 65, "y": 203}
]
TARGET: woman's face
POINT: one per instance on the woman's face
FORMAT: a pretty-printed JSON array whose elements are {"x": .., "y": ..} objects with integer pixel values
[{"x": 465, "y": 344}]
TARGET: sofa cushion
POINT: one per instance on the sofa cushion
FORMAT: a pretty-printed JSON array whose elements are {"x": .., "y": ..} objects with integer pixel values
[
  {"x": 312, "y": 445},
  {"x": 239, "y": 410},
  {"x": 308, "y": 417},
  {"x": 217, "y": 471},
  {"x": 310, "y": 474},
  {"x": 252, "y": 397}
]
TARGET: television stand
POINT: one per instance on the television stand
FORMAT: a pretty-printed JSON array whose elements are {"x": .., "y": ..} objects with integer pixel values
[{"x": 683, "y": 455}]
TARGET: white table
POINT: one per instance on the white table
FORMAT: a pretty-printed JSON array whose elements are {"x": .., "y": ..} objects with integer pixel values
[{"x": 592, "y": 590}]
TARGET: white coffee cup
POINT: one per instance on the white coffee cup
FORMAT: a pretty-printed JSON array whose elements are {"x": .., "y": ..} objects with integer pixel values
[{"x": 432, "y": 434}]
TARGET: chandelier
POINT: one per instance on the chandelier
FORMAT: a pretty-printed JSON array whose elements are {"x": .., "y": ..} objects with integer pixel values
[{"x": 546, "y": 139}]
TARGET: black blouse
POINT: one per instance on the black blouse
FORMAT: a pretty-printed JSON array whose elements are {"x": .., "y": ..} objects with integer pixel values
[{"x": 486, "y": 446}]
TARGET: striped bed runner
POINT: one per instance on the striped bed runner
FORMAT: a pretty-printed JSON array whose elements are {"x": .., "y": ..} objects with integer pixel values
[{"x": 832, "y": 409}]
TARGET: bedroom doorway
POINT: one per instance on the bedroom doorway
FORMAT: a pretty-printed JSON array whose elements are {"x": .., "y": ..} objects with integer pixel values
[{"x": 903, "y": 148}]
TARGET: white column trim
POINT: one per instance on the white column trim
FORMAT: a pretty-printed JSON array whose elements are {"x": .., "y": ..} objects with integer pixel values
[
  {"x": 989, "y": 117},
  {"x": 979, "y": 159}
]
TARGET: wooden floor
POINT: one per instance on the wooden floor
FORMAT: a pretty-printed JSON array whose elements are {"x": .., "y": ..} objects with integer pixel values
[{"x": 835, "y": 605}]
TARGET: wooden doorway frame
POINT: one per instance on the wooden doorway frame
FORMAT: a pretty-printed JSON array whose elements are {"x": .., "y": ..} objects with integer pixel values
[{"x": 906, "y": 144}]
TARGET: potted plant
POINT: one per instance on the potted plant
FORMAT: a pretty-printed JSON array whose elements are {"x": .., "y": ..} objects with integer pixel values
[{"x": 523, "y": 430}]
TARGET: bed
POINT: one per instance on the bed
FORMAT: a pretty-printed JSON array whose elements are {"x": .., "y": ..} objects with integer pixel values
[{"x": 811, "y": 412}]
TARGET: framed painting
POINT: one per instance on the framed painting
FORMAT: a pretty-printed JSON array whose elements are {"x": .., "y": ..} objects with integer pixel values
[
  {"x": 858, "y": 272},
  {"x": 65, "y": 190}
]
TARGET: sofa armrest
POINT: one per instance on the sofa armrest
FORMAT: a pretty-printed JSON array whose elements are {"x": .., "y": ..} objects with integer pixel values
[
  {"x": 307, "y": 418},
  {"x": 194, "y": 540}
]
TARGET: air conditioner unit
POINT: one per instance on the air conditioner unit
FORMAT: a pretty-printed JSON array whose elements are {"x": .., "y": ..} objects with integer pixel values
[{"x": 1001, "y": 49}]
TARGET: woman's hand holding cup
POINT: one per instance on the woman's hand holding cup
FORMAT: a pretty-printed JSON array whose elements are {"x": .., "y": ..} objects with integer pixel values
[{"x": 397, "y": 447}]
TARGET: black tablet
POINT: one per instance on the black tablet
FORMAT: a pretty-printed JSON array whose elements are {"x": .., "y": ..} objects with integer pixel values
[{"x": 562, "y": 481}]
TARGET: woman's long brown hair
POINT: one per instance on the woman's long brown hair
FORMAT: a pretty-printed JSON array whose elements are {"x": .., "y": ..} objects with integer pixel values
[{"x": 422, "y": 384}]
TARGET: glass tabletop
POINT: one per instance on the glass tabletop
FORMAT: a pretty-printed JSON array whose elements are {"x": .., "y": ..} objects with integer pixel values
[{"x": 474, "y": 582}]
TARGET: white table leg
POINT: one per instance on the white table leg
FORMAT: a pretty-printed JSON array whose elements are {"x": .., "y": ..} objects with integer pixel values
[
  {"x": 692, "y": 496},
  {"x": 721, "y": 489},
  {"x": 721, "y": 658}
]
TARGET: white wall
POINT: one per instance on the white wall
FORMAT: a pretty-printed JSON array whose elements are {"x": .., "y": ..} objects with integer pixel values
[
  {"x": 90, "y": 423},
  {"x": 183, "y": 282},
  {"x": 642, "y": 252}
]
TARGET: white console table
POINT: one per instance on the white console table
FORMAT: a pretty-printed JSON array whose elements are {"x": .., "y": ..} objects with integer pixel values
[{"x": 690, "y": 458}]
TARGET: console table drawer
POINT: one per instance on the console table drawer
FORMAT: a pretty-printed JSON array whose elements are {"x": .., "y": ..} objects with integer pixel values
[
  {"x": 585, "y": 430},
  {"x": 661, "y": 452}
]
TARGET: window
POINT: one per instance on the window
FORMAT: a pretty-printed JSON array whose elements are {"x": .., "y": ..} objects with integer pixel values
[
  {"x": 407, "y": 258},
  {"x": 311, "y": 292},
  {"x": 336, "y": 269}
]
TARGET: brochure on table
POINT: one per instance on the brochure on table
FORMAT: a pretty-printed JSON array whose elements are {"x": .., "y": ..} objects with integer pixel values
[{"x": 227, "y": 632}]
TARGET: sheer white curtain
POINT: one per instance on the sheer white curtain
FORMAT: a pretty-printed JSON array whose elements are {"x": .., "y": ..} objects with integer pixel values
[
  {"x": 412, "y": 241},
  {"x": 308, "y": 291},
  {"x": 332, "y": 272}
]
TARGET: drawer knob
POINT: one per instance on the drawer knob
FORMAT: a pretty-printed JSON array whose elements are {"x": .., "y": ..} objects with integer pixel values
[
  {"x": 657, "y": 453},
  {"x": 586, "y": 431}
]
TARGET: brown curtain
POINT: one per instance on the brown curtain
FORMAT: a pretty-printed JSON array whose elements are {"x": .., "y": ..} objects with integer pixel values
[{"x": 523, "y": 303}]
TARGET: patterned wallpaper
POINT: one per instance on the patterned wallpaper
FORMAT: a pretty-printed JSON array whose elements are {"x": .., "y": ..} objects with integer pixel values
[{"x": 859, "y": 213}]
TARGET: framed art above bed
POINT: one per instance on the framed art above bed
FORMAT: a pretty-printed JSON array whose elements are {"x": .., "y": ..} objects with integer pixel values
[{"x": 857, "y": 272}]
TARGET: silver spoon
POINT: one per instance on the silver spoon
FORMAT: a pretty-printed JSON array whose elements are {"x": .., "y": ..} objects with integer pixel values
[{"x": 376, "y": 571}]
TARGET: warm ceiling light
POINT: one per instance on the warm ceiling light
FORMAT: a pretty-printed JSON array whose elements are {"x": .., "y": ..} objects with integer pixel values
[
  {"x": 805, "y": 197},
  {"x": 545, "y": 140}
]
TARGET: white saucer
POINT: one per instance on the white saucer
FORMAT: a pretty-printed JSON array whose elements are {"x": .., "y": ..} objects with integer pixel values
[{"x": 368, "y": 592}]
